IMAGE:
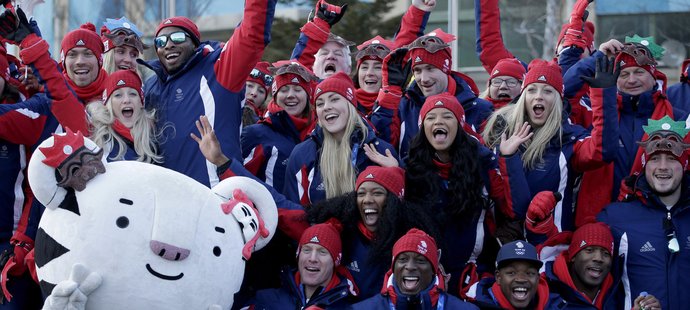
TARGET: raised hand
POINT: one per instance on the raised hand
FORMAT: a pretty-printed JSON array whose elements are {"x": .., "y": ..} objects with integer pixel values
[
  {"x": 14, "y": 26},
  {"x": 611, "y": 47},
  {"x": 395, "y": 70},
  {"x": 606, "y": 75},
  {"x": 424, "y": 5},
  {"x": 208, "y": 143},
  {"x": 73, "y": 293},
  {"x": 330, "y": 13},
  {"x": 521, "y": 135},
  {"x": 387, "y": 160}
]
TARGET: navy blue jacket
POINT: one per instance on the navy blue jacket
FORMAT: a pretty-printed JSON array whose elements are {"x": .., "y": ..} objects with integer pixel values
[
  {"x": 303, "y": 182},
  {"x": 562, "y": 294},
  {"x": 383, "y": 302},
  {"x": 639, "y": 235},
  {"x": 367, "y": 275}
]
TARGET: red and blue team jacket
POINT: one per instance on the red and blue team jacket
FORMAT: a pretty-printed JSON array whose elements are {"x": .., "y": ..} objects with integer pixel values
[
  {"x": 640, "y": 228},
  {"x": 679, "y": 94},
  {"x": 565, "y": 158},
  {"x": 396, "y": 119},
  {"x": 303, "y": 182},
  {"x": 266, "y": 147},
  {"x": 211, "y": 83}
]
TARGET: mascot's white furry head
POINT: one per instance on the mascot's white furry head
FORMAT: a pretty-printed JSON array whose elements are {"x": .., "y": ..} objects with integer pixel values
[{"x": 129, "y": 235}]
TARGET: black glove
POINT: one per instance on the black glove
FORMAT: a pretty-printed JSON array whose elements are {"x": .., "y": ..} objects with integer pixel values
[
  {"x": 14, "y": 26},
  {"x": 330, "y": 13},
  {"x": 607, "y": 72},
  {"x": 394, "y": 71}
]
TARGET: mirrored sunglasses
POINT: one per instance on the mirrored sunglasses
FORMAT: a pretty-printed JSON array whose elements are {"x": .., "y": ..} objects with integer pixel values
[{"x": 176, "y": 37}]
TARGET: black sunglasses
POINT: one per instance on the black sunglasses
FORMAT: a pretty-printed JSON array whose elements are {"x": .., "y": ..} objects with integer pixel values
[
  {"x": 670, "y": 231},
  {"x": 256, "y": 74},
  {"x": 176, "y": 37}
]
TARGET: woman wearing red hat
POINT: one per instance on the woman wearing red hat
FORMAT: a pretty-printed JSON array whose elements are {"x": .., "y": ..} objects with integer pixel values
[
  {"x": 122, "y": 45},
  {"x": 325, "y": 165},
  {"x": 256, "y": 90},
  {"x": 120, "y": 124},
  {"x": 373, "y": 217},
  {"x": 453, "y": 174},
  {"x": 545, "y": 152}
]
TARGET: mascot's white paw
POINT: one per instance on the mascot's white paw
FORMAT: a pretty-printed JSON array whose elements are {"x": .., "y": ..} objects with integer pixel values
[{"x": 73, "y": 293}]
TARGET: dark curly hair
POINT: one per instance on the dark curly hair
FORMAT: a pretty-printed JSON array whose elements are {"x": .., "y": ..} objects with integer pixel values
[
  {"x": 396, "y": 218},
  {"x": 465, "y": 183}
]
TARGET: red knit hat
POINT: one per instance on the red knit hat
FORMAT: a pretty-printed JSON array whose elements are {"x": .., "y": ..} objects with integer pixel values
[
  {"x": 4, "y": 64},
  {"x": 261, "y": 75},
  {"x": 391, "y": 178},
  {"x": 419, "y": 242},
  {"x": 627, "y": 61},
  {"x": 339, "y": 83},
  {"x": 120, "y": 79},
  {"x": 291, "y": 72},
  {"x": 443, "y": 100},
  {"x": 509, "y": 67},
  {"x": 375, "y": 48},
  {"x": 326, "y": 235},
  {"x": 84, "y": 36},
  {"x": 432, "y": 49},
  {"x": 542, "y": 71},
  {"x": 591, "y": 234},
  {"x": 182, "y": 22}
]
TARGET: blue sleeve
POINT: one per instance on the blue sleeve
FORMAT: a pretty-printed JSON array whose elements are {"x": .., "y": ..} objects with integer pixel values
[
  {"x": 568, "y": 57},
  {"x": 290, "y": 186},
  {"x": 585, "y": 67},
  {"x": 37, "y": 103}
]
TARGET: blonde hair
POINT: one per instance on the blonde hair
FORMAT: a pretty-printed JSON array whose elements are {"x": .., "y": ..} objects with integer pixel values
[
  {"x": 110, "y": 66},
  {"x": 484, "y": 94},
  {"x": 335, "y": 162},
  {"x": 143, "y": 133},
  {"x": 515, "y": 115}
]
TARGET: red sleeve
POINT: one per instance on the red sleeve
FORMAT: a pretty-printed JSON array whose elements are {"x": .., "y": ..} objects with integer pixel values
[
  {"x": 313, "y": 35},
  {"x": 246, "y": 46},
  {"x": 253, "y": 164},
  {"x": 66, "y": 107},
  {"x": 490, "y": 45},
  {"x": 593, "y": 152},
  {"x": 292, "y": 222},
  {"x": 411, "y": 26},
  {"x": 385, "y": 117},
  {"x": 19, "y": 128},
  {"x": 500, "y": 194}
]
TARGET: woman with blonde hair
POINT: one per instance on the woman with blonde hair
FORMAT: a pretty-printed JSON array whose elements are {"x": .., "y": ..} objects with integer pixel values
[
  {"x": 120, "y": 124},
  {"x": 544, "y": 150},
  {"x": 326, "y": 163},
  {"x": 122, "y": 45}
]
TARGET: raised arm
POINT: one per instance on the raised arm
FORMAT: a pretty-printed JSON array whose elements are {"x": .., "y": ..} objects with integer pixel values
[
  {"x": 247, "y": 44},
  {"x": 413, "y": 22},
  {"x": 490, "y": 47}
]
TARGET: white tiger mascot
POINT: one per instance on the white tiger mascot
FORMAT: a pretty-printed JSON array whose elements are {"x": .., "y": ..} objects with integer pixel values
[{"x": 129, "y": 235}]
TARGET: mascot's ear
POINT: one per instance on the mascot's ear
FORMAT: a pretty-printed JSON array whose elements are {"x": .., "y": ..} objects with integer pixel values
[
  {"x": 63, "y": 161},
  {"x": 242, "y": 193}
]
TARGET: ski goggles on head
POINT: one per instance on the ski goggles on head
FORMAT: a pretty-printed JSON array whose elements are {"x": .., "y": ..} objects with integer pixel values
[
  {"x": 176, "y": 37},
  {"x": 643, "y": 56},
  {"x": 431, "y": 44},
  {"x": 664, "y": 141},
  {"x": 257, "y": 74},
  {"x": 122, "y": 37},
  {"x": 294, "y": 68},
  {"x": 373, "y": 51}
]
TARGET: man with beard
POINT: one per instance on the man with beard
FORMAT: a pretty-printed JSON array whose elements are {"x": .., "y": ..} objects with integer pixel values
[
  {"x": 652, "y": 226},
  {"x": 195, "y": 78},
  {"x": 415, "y": 280},
  {"x": 517, "y": 284}
]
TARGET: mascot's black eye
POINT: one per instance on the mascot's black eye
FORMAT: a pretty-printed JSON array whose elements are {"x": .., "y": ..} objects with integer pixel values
[
  {"x": 216, "y": 251},
  {"x": 122, "y": 222}
]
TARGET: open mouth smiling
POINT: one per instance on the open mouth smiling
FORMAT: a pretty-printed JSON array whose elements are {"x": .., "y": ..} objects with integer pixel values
[{"x": 162, "y": 276}]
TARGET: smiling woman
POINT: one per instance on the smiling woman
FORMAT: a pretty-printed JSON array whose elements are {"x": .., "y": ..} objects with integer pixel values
[{"x": 121, "y": 125}]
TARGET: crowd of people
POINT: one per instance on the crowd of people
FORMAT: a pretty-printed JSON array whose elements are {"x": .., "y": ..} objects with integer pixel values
[{"x": 400, "y": 183}]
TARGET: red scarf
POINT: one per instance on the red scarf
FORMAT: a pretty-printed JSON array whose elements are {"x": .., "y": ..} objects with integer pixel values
[
  {"x": 122, "y": 130},
  {"x": 598, "y": 184},
  {"x": 542, "y": 295},
  {"x": 443, "y": 169},
  {"x": 560, "y": 269},
  {"x": 366, "y": 100},
  {"x": 499, "y": 103},
  {"x": 303, "y": 124},
  {"x": 91, "y": 91},
  {"x": 365, "y": 232}
]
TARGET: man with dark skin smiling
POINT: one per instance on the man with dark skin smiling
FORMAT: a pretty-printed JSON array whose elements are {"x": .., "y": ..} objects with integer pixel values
[
  {"x": 517, "y": 284},
  {"x": 195, "y": 78},
  {"x": 414, "y": 280}
]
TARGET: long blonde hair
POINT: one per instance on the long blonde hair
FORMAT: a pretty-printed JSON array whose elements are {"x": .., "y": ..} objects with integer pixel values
[
  {"x": 143, "y": 133},
  {"x": 337, "y": 171},
  {"x": 514, "y": 116}
]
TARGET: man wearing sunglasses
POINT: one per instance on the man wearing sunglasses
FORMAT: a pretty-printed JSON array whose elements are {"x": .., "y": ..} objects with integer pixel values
[
  {"x": 652, "y": 227},
  {"x": 195, "y": 78}
]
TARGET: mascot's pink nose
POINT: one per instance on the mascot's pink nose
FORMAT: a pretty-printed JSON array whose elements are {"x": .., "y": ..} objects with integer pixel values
[{"x": 167, "y": 251}]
